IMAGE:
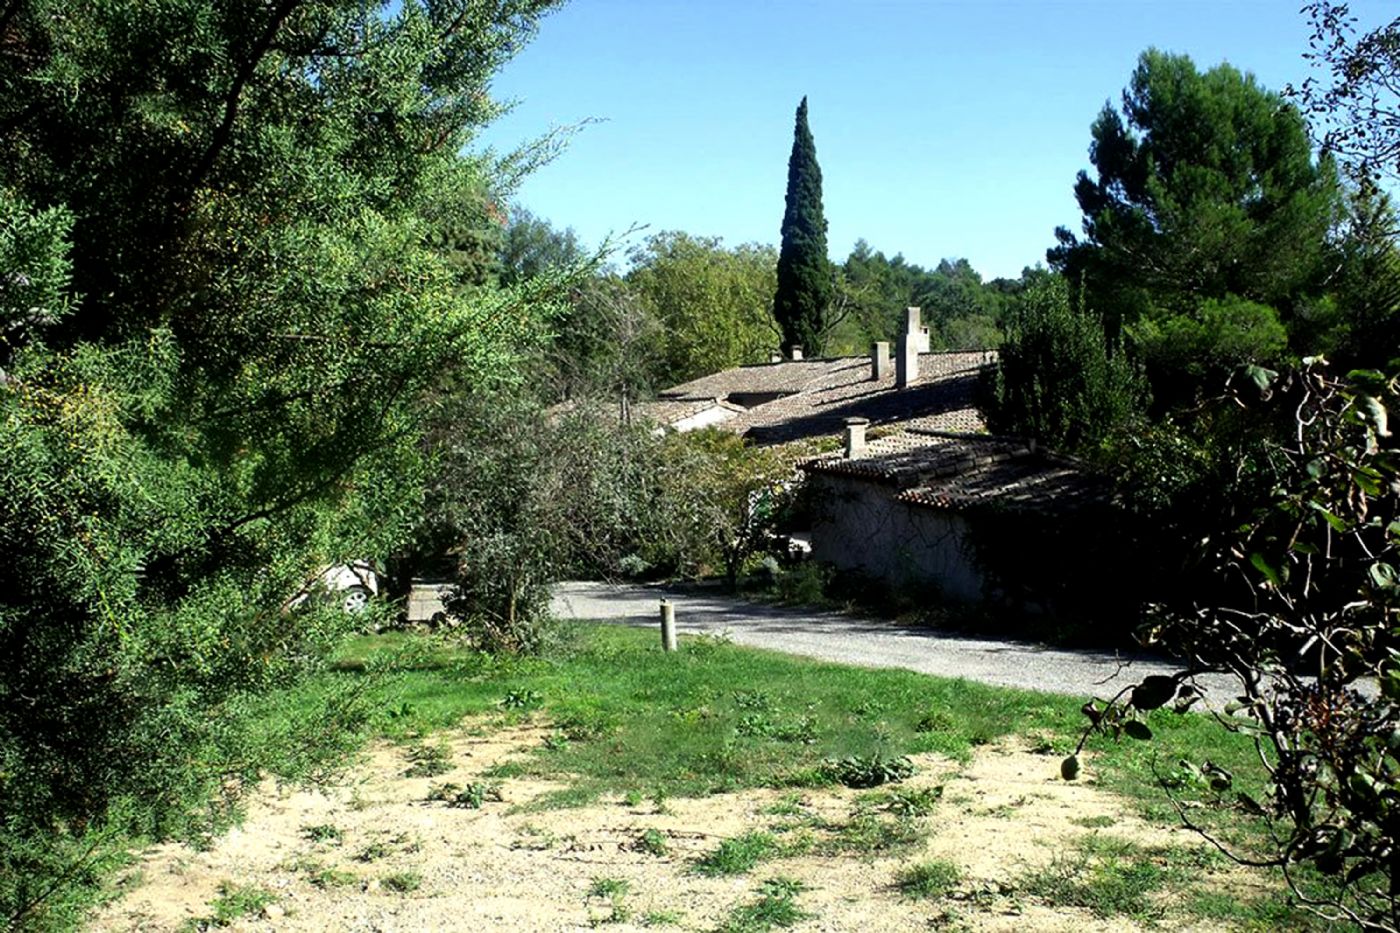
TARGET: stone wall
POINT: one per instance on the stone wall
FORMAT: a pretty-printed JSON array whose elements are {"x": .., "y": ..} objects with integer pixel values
[{"x": 858, "y": 525}]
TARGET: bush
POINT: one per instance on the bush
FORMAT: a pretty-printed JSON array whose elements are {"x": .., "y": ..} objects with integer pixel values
[
  {"x": 1304, "y": 613},
  {"x": 1057, "y": 380}
]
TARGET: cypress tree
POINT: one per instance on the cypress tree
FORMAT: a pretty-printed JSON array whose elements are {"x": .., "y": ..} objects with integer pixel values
[{"x": 804, "y": 271}]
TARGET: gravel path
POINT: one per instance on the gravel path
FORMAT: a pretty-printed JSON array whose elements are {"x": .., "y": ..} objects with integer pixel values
[{"x": 832, "y": 636}]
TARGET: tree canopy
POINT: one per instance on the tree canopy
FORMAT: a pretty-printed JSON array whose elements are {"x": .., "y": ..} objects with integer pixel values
[
  {"x": 711, "y": 302},
  {"x": 1205, "y": 191},
  {"x": 230, "y": 234},
  {"x": 804, "y": 289}
]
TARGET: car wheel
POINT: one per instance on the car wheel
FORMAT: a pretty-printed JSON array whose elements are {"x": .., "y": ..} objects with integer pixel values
[{"x": 354, "y": 599}]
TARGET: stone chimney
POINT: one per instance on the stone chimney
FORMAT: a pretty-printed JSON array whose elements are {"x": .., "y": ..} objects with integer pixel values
[
  {"x": 879, "y": 359},
  {"x": 855, "y": 437},
  {"x": 906, "y": 363},
  {"x": 917, "y": 333},
  {"x": 797, "y": 351}
]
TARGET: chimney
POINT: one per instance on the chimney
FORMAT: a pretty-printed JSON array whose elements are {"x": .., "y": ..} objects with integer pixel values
[
  {"x": 906, "y": 364},
  {"x": 797, "y": 351},
  {"x": 879, "y": 359},
  {"x": 775, "y": 356},
  {"x": 916, "y": 332},
  {"x": 855, "y": 437}
]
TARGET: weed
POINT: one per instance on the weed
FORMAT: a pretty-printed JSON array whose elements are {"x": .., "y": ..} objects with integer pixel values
[
  {"x": 402, "y": 882},
  {"x": 934, "y": 721},
  {"x": 928, "y": 880},
  {"x": 867, "y": 770},
  {"x": 556, "y": 742},
  {"x": 585, "y": 724},
  {"x": 234, "y": 901},
  {"x": 1106, "y": 877},
  {"x": 787, "y": 805},
  {"x": 738, "y": 855},
  {"x": 632, "y": 799},
  {"x": 608, "y": 888},
  {"x": 653, "y": 842},
  {"x": 775, "y": 907},
  {"x": 322, "y": 832},
  {"x": 914, "y": 802},
  {"x": 1094, "y": 822},
  {"x": 520, "y": 699},
  {"x": 331, "y": 878},
  {"x": 373, "y": 852},
  {"x": 752, "y": 699},
  {"x": 612, "y": 890},
  {"x": 868, "y": 833},
  {"x": 506, "y": 769},
  {"x": 661, "y": 918},
  {"x": 428, "y": 761},
  {"x": 470, "y": 797}
]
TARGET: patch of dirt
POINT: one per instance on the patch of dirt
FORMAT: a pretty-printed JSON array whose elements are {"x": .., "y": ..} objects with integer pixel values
[{"x": 331, "y": 856}]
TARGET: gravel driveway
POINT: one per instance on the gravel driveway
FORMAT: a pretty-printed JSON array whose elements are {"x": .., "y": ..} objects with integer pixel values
[{"x": 848, "y": 639}]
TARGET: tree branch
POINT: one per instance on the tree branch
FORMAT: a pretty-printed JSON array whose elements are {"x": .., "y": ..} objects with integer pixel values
[{"x": 224, "y": 132}]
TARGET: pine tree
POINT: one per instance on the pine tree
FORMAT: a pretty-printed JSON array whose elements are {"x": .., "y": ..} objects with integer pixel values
[{"x": 804, "y": 271}]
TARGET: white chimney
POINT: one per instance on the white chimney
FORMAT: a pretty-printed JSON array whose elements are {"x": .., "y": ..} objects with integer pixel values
[
  {"x": 855, "y": 437},
  {"x": 776, "y": 356},
  {"x": 879, "y": 360},
  {"x": 906, "y": 363},
  {"x": 912, "y": 327},
  {"x": 797, "y": 351}
]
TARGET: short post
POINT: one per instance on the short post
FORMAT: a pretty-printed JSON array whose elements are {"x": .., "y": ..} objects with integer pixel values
[
  {"x": 668, "y": 625},
  {"x": 855, "y": 437}
]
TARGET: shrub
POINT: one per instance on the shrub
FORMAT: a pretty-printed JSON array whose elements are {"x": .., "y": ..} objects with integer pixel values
[
  {"x": 1305, "y": 612},
  {"x": 1057, "y": 380}
]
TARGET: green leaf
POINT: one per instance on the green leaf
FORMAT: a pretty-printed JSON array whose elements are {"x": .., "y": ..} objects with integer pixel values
[
  {"x": 1262, "y": 565},
  {"x": 1384, "y": 576},
  {"x": 1260, "y": 376},
  {"x": 1369, "y": 481},
  {"x": 1368, "y": 379},
  {"x": 1137, "y": 730},
  {"x": 1337, "y": 522}
]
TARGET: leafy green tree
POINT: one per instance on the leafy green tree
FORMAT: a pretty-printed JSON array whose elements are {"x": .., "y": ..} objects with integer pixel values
[
  {"x": 1055, "y": 379},
  {"x": 1205, "y": 189},
  {"x": 721, "y": 500},
  {"x": 712, "y": 303},
  {"x": 225, "y": 305},
  {"x": 464, "y": 226},
  {"x": 804, "y": 289},
  {"x": 960, "y": 311},
  {"x": 532, "y": 246}
]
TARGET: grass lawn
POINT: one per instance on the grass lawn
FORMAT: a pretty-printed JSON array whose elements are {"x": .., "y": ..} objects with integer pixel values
[{"x": 624, "y": 719}]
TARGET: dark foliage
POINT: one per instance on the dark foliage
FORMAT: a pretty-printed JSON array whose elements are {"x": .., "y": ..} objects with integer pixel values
[{"x": 804, "y": 270}]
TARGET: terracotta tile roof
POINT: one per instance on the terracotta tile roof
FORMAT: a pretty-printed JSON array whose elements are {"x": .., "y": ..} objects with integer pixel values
[
  {"x": 785, "y": 377},
  {"x": 790, "y": 401},
  {"x": 962, "y": 473},
  {"x": 668, "y": 410}
]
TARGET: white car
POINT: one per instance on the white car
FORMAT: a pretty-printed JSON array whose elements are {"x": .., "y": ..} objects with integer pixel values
[{"x": 352, "y": 585}]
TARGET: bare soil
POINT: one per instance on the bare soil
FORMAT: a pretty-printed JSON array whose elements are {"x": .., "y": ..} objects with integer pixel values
[{"x": 507, "y": 867}]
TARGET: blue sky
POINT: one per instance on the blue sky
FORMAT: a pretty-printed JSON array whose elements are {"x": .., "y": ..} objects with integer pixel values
[{"x": 944, "y": 129}]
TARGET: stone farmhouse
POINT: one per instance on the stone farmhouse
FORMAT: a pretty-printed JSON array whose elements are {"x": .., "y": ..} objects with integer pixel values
[{"x": 903, "y": 501}]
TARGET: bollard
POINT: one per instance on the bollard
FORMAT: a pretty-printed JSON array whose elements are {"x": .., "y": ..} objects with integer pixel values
[{"x": 668, "y": 625}]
